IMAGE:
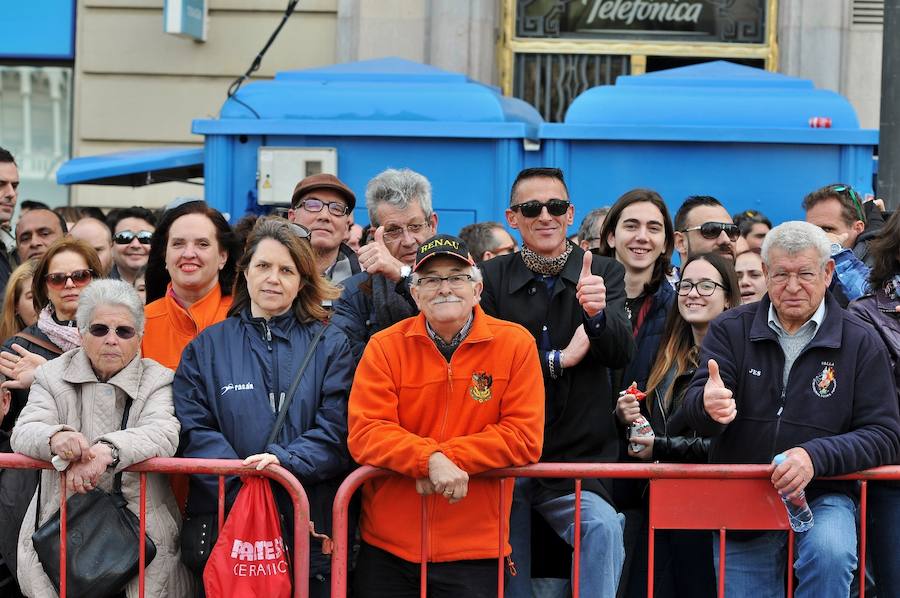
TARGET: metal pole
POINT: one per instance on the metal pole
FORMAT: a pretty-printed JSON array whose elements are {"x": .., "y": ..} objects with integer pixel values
[{"x": 889, "y": 131}]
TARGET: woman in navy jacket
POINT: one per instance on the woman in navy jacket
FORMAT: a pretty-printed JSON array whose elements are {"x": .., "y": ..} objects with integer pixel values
[{"x": 233, "y": 378}]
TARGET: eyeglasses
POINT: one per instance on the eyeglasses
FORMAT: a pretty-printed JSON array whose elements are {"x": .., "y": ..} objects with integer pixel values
[
  {"x": 781, "y": 278},
  {"x": 101, "y": 330},
  {"x": 705, "y": 288},
  {"x": 300, "y": 230},
  {"x": 335, "y": 208},
  {"x": 57, "y": 280},
  {"x": 433, "y": 283},
  {"x": 532, "y": 209},
  {"x": 127, "y": 236},
  {"x": 854, "y": 197},
  {"x": 395, "y": 232},
  {"x": 712, "y": 230}
]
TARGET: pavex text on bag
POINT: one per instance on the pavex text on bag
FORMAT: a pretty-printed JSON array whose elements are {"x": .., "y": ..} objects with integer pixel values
[{"x": 250, "y": 558}]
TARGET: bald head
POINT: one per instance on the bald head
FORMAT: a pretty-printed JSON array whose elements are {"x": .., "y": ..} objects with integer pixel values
[{"x": 96, "y": 234}]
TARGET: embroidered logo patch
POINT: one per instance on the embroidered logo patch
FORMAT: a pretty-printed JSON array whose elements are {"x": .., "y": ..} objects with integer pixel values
[
  {"x": 824, "y": 383},
  {"x": 481, "y": 387}
]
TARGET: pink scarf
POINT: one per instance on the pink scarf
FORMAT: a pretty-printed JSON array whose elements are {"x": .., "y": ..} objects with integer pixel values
[{"x": 64, "y": 337}]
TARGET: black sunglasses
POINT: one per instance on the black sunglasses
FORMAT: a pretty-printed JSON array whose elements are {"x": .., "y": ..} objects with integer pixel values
[
  {"x": 101, "y": 330},
  {"x": 712, "y": 230},
  {"x": 532, "y": 209},
  {"x": 57, "y": 280},
  {"x": 127, "y": 236}
]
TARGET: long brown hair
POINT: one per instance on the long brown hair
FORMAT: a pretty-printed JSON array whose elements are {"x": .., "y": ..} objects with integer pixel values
[
  {"x": 314, "y": 288},
  {"x": 679, "y": 349},
  {"x": 11, "y": 322},
  {"x": 885, "y": 252},
  {"x": 39, "y": 295},
  {"x": 663, "y": 264}
]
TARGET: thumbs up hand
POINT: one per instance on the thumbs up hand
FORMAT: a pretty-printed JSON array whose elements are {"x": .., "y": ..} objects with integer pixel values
[
  {"x": 591, "y": 292},
  {"x": 376, "y": 258},
  {"x": 718, "y": 400}
]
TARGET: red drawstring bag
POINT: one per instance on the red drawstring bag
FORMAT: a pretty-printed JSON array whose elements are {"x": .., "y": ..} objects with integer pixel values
[{"x": 249, "y": 558}]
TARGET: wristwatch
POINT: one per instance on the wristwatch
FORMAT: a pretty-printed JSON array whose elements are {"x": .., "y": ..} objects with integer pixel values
[
  {"x": 114, "y": 450},
  {"x": 836, "y": 248},
  {"x": 405, "y": 271}
]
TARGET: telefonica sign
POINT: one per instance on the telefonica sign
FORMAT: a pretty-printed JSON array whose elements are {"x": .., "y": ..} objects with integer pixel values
[
  {"x": 186, "y": 17},
  {"x": 718, "y": 21}
]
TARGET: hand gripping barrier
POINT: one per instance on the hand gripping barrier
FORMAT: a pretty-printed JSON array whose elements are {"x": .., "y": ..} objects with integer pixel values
[
  {"x": 735, "y": 497},
  {"x": 219, "y": 467}
]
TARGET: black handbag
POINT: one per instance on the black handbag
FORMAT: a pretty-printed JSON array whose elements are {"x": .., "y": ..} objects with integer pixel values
[
  {"x": 102, "y": 541},
  {"x": 200, "y": 532}
]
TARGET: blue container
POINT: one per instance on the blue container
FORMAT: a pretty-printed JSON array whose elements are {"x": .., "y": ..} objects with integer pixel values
[
  {"x": 465, "y": 137},
  {"x": 738, "y": 133}
]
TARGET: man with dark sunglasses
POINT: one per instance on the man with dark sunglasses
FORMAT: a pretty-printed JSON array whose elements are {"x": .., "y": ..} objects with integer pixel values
[
  {"x": 703, "y": 225},
  {"x": 132, "y": 232},
  {"x": 573, "y": 303},
  {"x": 324, "y": 204}
]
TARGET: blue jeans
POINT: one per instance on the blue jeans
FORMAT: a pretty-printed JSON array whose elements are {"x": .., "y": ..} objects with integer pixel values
[
  {"x": 824, "y": 557},
  {"x": 602, "y": 546},
  {"x": 883, "y": 529}
]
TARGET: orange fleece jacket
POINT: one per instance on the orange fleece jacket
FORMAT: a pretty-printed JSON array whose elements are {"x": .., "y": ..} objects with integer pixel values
[
  {"x": 169, "y": 327},
  {"x": 484, "y": 410}
]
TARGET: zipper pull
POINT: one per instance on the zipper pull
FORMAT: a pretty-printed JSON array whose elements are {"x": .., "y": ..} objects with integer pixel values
[
  {"x": 511, "y": 565},
  {"x": 280, "y": 401},
  {"x": 272, "y": 401},
  {"x": 268, "y": 335}
]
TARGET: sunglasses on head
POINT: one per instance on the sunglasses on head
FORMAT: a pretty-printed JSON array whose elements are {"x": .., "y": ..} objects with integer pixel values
[
  {"x": 101, "y": 330},
  {"x": 299, "y": 230},
  {"x": 57, "y": 280},
  {"x": 532, "y": 209},
  {"x": 127, "y": 236},
  {"x": 712, "y": 230},
  {"x": 854, "y": 197}
]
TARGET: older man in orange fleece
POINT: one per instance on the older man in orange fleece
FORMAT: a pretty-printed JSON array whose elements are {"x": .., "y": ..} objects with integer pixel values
[{"x": 440, "y": 397}]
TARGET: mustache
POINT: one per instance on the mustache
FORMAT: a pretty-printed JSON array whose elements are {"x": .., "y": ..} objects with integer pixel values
[{"x": 449, "y": 299}]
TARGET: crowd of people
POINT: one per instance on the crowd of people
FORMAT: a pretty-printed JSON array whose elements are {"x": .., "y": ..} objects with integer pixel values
[{"x": 309, "y": 342}]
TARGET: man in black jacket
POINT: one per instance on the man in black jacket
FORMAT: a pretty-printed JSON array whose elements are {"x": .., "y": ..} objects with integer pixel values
[
  {"x": 795, "y": 374},
  {"x": 572, "y": 302}
]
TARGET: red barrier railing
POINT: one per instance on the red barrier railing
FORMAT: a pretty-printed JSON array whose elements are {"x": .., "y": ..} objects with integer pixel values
[
  {"x": 219, "y": 467},
  {"x": 743, "y": 496}
]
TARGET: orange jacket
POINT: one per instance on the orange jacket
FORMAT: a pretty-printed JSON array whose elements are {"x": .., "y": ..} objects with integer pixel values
[
  {"x": 169, "y": 327},
  {"x": 483, "y": 410}
]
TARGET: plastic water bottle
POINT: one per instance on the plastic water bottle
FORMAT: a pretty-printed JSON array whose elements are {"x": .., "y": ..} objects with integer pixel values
[
  {"x": 640, "y": 427},
  {"x": 800, "y": 516}
]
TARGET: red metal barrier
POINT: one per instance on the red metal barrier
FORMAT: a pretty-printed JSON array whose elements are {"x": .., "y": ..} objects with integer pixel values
[
  {"x": 742, "y": 494},
  {"x": 219, "y": 467}
]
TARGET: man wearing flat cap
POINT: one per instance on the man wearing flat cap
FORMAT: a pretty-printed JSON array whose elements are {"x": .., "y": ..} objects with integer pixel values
[
  {"x": 439, "y": 397},
  {"x": 323, "y": 204}
]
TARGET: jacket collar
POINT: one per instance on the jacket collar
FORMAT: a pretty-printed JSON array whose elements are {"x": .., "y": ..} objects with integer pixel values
[
  {"x": 520, "y": 275},
  {"x": 480, "y": 330},
  {"x": 80, "y": 371},
  {"x": 279, "y": 325},
  {"x": 198, "y": 316},
  {"x": 828, "y": 335}
]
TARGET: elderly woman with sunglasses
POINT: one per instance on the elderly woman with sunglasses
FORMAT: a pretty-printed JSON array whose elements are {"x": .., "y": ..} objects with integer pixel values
[
  {"x": 75, "y": 412},
  {"x": 235, "y": 377}
]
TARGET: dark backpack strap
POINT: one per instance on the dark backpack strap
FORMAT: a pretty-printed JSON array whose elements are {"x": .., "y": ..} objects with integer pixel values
[
  {"x": 282, "y": 412},
  {"x": 39, "y": 342}
]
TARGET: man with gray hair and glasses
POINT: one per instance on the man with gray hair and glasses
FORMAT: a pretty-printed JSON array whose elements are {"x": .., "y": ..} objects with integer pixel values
[
  {"x": 399, "y": 205},
  {"x": 796, "y": 375}
]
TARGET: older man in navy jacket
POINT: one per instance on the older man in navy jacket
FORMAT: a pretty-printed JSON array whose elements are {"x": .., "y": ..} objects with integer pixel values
[{"x": 796, "y": 374}]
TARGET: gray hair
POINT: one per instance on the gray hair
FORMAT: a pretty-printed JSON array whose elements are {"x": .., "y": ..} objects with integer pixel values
[
  {"x": 590, "y": 220},
  {"x": 110, "y": 293},
  {"x": 398, "y": 188},
  {"x": 474, "y": 272},
  {"x": 795, "y": 236}
]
